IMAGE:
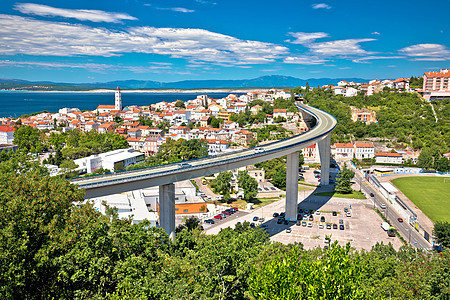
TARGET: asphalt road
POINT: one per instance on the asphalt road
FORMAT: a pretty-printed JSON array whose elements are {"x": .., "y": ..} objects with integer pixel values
[{"x": 407, "y": 231}]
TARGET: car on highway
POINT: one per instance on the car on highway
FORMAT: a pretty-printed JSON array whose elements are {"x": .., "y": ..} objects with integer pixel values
[
  {"x": 184, "y": 165},
  {"x": 258, "y": 149},
  {"x": 255, "y": 218},
  {"x": 328, "y": 226},
  {"x": 341, "y": 227},
  {"x": 279, "y": 221},
  {"x": 288, "y": 230},
  {"x": 334, "y": 226},
  {"x": 275, "y": 214},
  {"x": 209, "y": 221},
  {"x": 400, "y": 220},
  {"x": 218, "y": 217},
  {"x": 322, "y": 219}
]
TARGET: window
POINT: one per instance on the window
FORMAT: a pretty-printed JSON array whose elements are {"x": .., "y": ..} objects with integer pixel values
[
  {"x": 185, "y": 210},
  {"x": 176, "y": 209}
]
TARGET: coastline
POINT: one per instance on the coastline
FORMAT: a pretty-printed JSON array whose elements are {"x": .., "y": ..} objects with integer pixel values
[{"x": 149, "y": 91}]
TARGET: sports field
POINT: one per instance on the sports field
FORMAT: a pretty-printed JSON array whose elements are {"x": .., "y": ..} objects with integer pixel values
[{"x": 430, "y": 194}]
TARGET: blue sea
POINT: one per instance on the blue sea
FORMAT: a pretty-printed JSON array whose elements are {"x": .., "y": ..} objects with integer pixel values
[{"x": 14, "y": 104}]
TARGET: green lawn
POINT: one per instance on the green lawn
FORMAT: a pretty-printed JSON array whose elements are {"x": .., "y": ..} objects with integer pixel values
[
  {"x": 353, "y": 195},
  {"x": 430, "y": 194}
]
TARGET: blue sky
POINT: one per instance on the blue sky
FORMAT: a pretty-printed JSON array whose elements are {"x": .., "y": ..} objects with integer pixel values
[{"x": 170, "y": 40}]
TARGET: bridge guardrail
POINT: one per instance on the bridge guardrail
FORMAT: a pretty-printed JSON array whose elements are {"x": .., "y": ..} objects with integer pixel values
[{"x": 143, "y": 176}]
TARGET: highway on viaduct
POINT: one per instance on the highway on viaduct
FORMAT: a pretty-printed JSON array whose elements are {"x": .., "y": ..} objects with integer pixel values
[{"x": 165, "y": 175}]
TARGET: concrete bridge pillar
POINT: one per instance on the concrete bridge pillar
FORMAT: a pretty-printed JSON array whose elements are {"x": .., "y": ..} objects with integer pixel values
[
  {"x": 167, "y": 209},
  {"x": 292, "y": 186},
  {"x": 324, "y": 153}
]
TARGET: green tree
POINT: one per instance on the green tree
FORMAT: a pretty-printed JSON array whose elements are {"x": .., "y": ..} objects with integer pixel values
[
  {"x": 343, "y": 182},
  {"x": 441, "y": 231},
  {"x": 248, "y": 184},
  {"x": 442, "y": 164},
  {"x": 279, "y": 178},
  {"x": 180, "y": 104},
  {"x": 425, "y": 159},
  {"x": 222, "y": 184}
]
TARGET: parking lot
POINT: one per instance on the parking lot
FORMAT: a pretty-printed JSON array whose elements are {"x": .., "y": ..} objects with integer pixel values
[{"x": 362, "y": 229}]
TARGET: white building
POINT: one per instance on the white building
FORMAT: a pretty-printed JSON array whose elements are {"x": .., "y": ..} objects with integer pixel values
[
  {"x": 118, "y": 100},
  {"x": 217, "y": 146},
  {"x": 111, "y": 160},
  {"x": 343, "y": 150},
  {"x": 6, "y": 135},
  {"x": 364, "y": 150},
  {"x": 389, "y": 158}
]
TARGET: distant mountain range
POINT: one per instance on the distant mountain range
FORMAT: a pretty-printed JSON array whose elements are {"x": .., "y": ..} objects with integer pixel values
[{"x": 277, "y": 81}]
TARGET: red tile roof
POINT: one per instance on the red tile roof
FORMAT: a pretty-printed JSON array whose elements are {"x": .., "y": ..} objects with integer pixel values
[
  {"x": 6, "y": 129},
  {"x": 343, "y": 145},
  {"x": 388, "y": 154},
  {"x": 364, "y": 145}
]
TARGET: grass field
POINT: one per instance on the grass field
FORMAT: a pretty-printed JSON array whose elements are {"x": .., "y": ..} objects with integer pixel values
[
  {"x": 430, "y": 194},
  {"x": 353, "y": 195}
]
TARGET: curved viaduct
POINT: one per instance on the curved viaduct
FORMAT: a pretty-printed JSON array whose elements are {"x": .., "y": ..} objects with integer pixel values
[{"x": 165, "y": 175}]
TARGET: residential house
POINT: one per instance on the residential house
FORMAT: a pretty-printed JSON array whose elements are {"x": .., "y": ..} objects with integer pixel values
[
  {"x": 217, "y": 146},
  {"x": 243, "y": 137},
  {"x": 389, "y": 158},
  {"x": 364, "y": 150},
  {"x": 6, "y": 135},
  {"x": 436, "y": 85},
  {"x": 343, "y": 150}
]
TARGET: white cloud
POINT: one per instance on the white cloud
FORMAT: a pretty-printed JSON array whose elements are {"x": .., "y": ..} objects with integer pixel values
[
  {"x": 366, "y": 58},
  {"x": 99, "y": 68},
  {"x": 79, "y": 14},
  {"x": 427, "y": 52},
  {"x": 176, "y": 9},
  {"x": 305, "y": 38},
  {"x": 340, "y": 47},
  {"x": 375, "y": 33},
  {"x": 304, "y": 60},
  {"x": 321, "y": 5},
  {"x": 345, "y": 68},
  {"x": 35, "y": 37}
]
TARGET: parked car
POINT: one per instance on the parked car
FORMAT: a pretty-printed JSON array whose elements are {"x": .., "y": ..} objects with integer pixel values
[
  {"x": 372, "y": 195},
  {"x": 383, "y": 206},
  {"x": 288, "y": 230},
  {"x": 310, "y": 224},
  {"x": 341, "y": 227},
  {"x": 400, "y": 220},
  {"x": 317, "y": 212},
  {"x": 334, "y": 226},
  {"x": 306, "y": 211},
  {"x": 311, "y": 217},
  {"x": 255, "y": 218},
  {"x": 341, "y": 221},
  {"x": 261, "y": 220},
  {"x": 320, "y": 226},
  {"x": 235, "y": 208},
  {"x": 219, "y": 217},
  {"x": 322, "y": 219},
  {"x": 298, "y": 223},
  {"x": 305, "y": 218},
  {"x": 209, "y": 221},
  {"x": 346, "y": 209},
  {"x": 282, "y": 215},
  {"x": 303, "y": 223},
  {"x": 286, "y": 222},
  {"x": 275, "y": 215},
  {"x": 252, "y": 225},
  {"x": 348, "y": 214},
  {"x": 279, "y": 221},
  {"x": 300, "y": 210},
  {"x": 328, "y": 226},
  {"x": 334, "y": 214},
  {"x": 226, "y": 212}
]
